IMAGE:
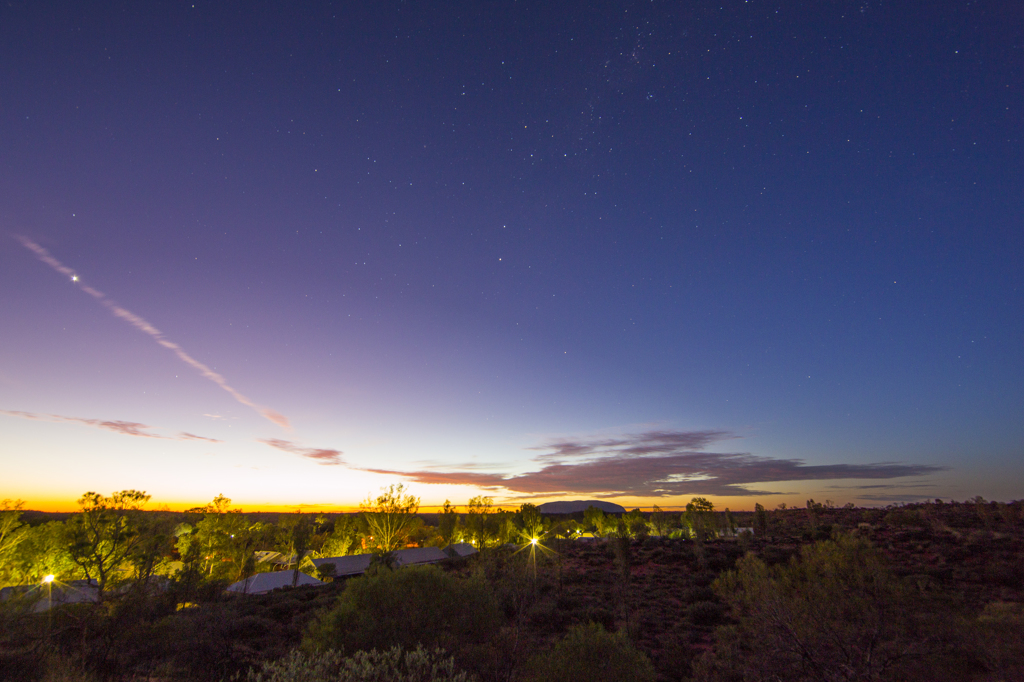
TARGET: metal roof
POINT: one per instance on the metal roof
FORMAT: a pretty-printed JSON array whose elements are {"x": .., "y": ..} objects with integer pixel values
[{"x": 265, "y": 582}]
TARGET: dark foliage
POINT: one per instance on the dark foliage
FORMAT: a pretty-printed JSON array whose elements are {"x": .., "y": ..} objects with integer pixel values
[
  {"x": 410, "y": 607},
  {"x": 955, "y": 570}
]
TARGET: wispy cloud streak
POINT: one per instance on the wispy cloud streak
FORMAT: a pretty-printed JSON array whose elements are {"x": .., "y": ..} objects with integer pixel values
[
  {"x": 146, "y": 328},
  {"x": 657, "y": 464},
  {"x": 648, "y": 443},
  {"x": 125, "y": 428},
  {"x": 325, "y": 456}
]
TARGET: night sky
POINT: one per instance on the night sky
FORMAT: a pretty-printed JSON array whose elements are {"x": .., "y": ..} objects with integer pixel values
[{"x": 640, "y": 251}]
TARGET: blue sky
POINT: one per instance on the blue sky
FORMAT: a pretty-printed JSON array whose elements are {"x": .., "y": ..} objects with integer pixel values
[{"x": 447, "y": 243}]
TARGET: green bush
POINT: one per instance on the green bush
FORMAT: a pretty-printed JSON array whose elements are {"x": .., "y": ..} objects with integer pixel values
[
  {"x": 834, "y": 613},
  {"x": 591, "y": 653},
  {"x": 392, "y": 665},
  {"x": 407, "y": 607}
]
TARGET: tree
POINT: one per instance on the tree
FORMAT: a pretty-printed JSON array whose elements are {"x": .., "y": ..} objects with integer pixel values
[
  {"x": 501, "y": 526},
  {"x": 594, "y": 520},
  {"x": 835, "y": 614},
  {"x": 43, "y": 551},
  {"x": 478, "y": 510},
  {"x": 530, "y": 524},
  {"x": 633, "y": 524},
  {"x": 416, "y": 605},
  {"x": 389, "y": 517},
  {"x": 12, "y": 532},
  {"x": 448, "y": 523},
  {"x": 589, "y": 652},
  {"x": 660, "y": 522},
  {"x": 344, "y": 538},
  {"x": 729, "y": 522},
  {"x": 300, "y": 537},
  {"x": 760, "y": 520},
  {"x": 227, "y": 540},
  {"x": 700, "y": 517},
  {"x": 813, "y": 510},
  {"x": 156, "y": 543},
  {"x": 103, "y": 536}
]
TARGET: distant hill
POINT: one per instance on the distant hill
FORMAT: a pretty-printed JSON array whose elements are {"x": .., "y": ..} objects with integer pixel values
[{"x": 578, "y": 506}]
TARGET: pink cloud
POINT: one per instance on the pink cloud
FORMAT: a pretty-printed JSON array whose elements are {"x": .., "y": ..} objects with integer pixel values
[
  {"x": 324, "y": 456},
  {"x": 658, "y": 464},
  {"x": 125, "y": 428}
]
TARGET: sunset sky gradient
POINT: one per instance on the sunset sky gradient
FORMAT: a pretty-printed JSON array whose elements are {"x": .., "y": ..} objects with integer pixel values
[{"x": 629, "y": 251}]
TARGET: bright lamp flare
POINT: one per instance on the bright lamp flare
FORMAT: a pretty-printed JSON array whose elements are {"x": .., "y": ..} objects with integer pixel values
[{"x": 48, "y": 579}]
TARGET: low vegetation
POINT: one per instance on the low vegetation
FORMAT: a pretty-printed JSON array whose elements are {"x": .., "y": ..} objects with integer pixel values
[{"x": 929, "y": 591}]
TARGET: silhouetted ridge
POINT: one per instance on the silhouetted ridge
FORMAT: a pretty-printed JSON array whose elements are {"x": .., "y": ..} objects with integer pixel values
[{"x": 578, "y": 506}]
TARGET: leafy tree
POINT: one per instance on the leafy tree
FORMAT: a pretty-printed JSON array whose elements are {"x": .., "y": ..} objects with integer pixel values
[
  {"x": 589, "y": 652},
  {"x": 729, "y": 521},
  {"x": 12, "y": 529},
  {"x": 156, "y": 543},
  {"x": 389, "y": 517},
  {"x": 12, "y": 532},
  {"x": 660, "y": 522},
  {"x": 633, "y": 524},
  {"x": 501, "y": 526},
  {"x": 814, "y": 510},
  {"x": 422, "y": 534},
  {"x": 104, "y": 535},
  {"x": 594, "y": 520},
  {"x": 416, "y": 605},
  {"x": 477, "y": 520},
  {"x": 700, "y": 518},
  {"x": 228, "y": 540},
  {"x": 448, "y": 523},
  {"x": 835, "y": 614},
  {"x": 529, "y": 522},
  {"x": 300, "y": 536},
  {"x": 345, "y": 538},
  {"x": 760, "y": 520},
  {"x": 43, "y": 551}
]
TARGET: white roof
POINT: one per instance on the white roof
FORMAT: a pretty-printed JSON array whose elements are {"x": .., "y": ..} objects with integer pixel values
[
  {"x": 262, "y": 583},
  {"x": 461, "y": 549},
  {"x": 357, "y": 564},
  {"x": 71, "y": 592},
  {"x": 419, "y": 555},
  {"x": 353, "y": 564}
]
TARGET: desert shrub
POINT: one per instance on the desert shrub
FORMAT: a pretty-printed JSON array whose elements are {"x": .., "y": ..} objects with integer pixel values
[
  {"x": 510, "y": 579},
  {"x": 589, "y": 652},
  {"x": 602, "y": 616},
  {"x": 703, "y": 579},
  {"x": 696, "y": 594},
  {"x": 407, "y": 607},
  {"x": 835, "y": 613},
  {"x": 997, "y": 630},
  {"x": 391, "y": 665},
  {"x": 706, "y": 613}
]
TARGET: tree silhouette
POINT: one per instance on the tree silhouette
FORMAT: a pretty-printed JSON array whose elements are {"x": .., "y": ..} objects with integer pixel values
[{"x": 389, "y": 517}]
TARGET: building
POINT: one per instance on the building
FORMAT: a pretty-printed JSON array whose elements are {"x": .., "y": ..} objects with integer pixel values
[{"x": 261, "y": 583}]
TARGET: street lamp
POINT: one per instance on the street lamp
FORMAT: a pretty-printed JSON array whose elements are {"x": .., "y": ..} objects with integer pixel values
[{"x": 48, "y": 580}]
